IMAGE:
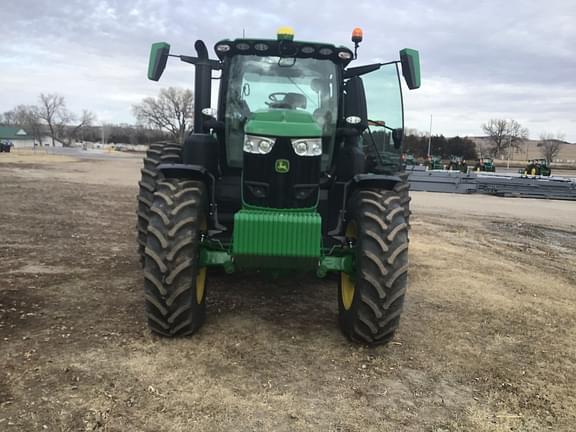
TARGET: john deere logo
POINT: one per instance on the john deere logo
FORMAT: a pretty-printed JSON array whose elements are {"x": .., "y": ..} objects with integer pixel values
[{"x": 282, "y": 166}]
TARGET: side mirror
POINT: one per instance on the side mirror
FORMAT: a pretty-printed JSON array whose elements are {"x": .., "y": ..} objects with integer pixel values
[
  {"x": 158, "y": 56},
  {"x": 410, "y": 60}
]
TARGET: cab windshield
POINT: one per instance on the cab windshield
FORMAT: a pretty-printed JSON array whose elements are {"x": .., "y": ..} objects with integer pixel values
[{"x": 262, "y": 84}]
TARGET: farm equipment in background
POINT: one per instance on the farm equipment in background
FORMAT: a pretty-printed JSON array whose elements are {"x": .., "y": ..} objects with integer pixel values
[
  {"x": 457, "y": 164},
  {"x": 408, "y": 159},
  {"x": 537, "y": 167},
  {"x": 434, "y": 163},
  {"x": 297, "y": 170},
  {"x": 485, "y": 164}
]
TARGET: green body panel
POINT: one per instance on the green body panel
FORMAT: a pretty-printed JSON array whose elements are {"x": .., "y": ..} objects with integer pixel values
[
  {"x": 330, "y": 263},
  {"x": 268, "y": 239},
  {"x": 216, "y": 258},
  {"x": 283, "y": 123}
]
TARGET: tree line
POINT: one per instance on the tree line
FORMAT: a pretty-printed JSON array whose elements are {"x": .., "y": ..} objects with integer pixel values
[
  {"x": 417, "y": 144},
  {"x": 49, "y": 117},
  {"x": 169, "y": 116},
  {"x": 507, "y": 135},
  {"x": 503, "y": 137}
]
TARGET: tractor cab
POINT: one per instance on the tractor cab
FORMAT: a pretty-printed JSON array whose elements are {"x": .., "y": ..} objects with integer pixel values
[
  {"x": 485, "y": 164},
  {"x": 297, "y": 168},
  {"x": 279, "y": 103},
  {"x": 457, "y": 163},
  {"x": 434, "y": 162},
  {"x": 538, "y": 167}
]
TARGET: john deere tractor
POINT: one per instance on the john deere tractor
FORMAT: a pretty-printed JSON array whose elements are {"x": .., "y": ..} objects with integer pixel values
[
  {"x": 537, "y": 167},
  {"x": 457, "y": 164},
  {"x": 434, "y": 163},
  {"x": 297, "y": 169},
  {"x": 485, "y": 164}
]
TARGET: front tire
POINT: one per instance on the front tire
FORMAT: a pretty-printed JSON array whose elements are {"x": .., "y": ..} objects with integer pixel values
[
  {"x": 174, "y": 285},
  {"x": 371, "y": 301},
  {"x": 157, "y": 153},
  {"x": 403, "y": 190}
]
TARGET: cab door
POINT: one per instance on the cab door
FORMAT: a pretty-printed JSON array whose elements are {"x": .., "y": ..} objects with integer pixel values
[{"x": 382, "y": 140}]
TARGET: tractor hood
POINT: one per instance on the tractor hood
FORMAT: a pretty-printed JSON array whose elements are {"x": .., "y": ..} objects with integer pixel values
[{"x": 283, "y": 123}]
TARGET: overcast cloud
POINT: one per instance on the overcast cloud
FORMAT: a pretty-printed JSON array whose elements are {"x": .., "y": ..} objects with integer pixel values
[{"x": 480, "y": 59}]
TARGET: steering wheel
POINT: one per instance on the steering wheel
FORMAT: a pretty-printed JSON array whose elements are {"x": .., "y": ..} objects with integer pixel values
[{"x": 274, "y": 97}]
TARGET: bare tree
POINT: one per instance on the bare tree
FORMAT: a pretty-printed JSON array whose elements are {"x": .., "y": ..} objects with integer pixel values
[
  {"x": 53, "y": 111},
  {"x": 6, "y": 119},
  {"x": 503, "y": 133},
  {"x": 75, "y": 131},
  {"x": 172, "y": 111},
  {"x": 27, "y": 117},
  {"x": 550, "y": 145}
]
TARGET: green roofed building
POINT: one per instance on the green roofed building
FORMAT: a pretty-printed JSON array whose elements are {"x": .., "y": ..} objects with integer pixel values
[{"x": 16, "y": 135}]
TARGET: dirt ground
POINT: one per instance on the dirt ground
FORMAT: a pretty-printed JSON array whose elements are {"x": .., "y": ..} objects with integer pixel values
[{"x": 486, "y": 341}]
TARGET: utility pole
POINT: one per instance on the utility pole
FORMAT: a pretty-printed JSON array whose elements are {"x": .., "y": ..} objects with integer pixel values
[
  {"x": 430, "y": 136},
  {"x": 509, "y": 150}
]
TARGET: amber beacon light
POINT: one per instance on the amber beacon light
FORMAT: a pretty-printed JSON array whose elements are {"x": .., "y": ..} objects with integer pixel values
[{"x": 356, "y": 38}]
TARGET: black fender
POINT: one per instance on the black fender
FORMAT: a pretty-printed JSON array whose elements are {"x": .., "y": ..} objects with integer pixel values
[
  {"x": 361, "y": 181},
  {"x": 199, "y": 173},
  {"x": 376, "y": 181}
]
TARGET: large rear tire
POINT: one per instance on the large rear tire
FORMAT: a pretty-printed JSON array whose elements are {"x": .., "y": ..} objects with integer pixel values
[
  {"x": 157, "y": 153},
  {"x": 174, "y": 285},
  {"x": 371, "y": 301}
]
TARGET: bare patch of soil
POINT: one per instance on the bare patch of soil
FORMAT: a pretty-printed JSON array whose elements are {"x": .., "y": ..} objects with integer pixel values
[{"x": 486, "y": 341}]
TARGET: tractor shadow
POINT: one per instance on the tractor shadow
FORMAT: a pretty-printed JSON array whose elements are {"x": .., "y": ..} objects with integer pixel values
[{"x": 298, "y": 300}]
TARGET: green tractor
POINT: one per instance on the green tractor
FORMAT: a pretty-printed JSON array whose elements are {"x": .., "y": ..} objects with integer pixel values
[
  {"x": 434, "y": 163},
  {"x": 408, "y": 159},
  {"x": 537, "y": 167},
  {"x": 485, "y": 164},
  {"x": 457, "y": 164},
  {"x": 297, "y": 170}
]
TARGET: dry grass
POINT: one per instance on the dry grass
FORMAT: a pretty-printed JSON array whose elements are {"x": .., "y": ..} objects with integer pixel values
[{"x": 486, "y": 340}]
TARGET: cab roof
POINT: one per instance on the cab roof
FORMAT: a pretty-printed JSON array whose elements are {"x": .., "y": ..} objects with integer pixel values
[{"x": 283, "y": 48}]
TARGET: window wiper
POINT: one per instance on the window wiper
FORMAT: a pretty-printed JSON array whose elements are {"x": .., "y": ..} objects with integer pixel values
[{"x": 379, "y": 123}]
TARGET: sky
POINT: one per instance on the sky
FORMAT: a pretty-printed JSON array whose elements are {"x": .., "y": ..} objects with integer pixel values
[{"x": 480, "y": 59}]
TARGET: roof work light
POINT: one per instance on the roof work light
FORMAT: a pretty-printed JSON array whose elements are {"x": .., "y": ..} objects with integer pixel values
[{"x": 285, "y": 33}]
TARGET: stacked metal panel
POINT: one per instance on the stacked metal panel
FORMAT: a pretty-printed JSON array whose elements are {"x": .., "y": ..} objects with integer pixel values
[
  {"x": 539, "y": 187},
  {"x": 441, "y": 181},
  {"x": 493, "y": 184}
]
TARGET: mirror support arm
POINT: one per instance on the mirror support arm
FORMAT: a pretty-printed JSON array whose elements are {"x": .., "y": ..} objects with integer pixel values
[
  {"x": 362, "y": 70},
  {"x": 214, "y": 64}
]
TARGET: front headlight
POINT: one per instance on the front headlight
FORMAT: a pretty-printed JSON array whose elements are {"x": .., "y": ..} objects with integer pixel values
[
  {"x": 257, "y": 144},
  {"x": 307, "y": 146}
]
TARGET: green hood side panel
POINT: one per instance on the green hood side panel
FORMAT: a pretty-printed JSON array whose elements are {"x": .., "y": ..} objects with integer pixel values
[{"x": 283, "y": 123}]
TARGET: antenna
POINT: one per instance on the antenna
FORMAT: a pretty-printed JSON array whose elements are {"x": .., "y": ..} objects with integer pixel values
[{"x": 243, "y": 33}]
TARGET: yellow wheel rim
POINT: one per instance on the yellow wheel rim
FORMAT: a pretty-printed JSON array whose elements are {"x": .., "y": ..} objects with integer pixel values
[
  {"x": 200, "y": 284},
  {"x": 201, "y": 276},
  {"x": 347, "y": 284}
]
